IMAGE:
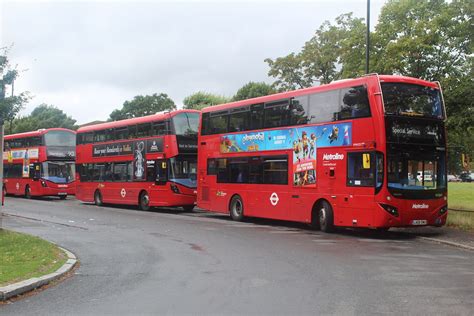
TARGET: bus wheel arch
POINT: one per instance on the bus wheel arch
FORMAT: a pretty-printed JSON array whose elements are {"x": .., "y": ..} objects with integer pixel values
[
  {"x": 322, "y": 216},
  {"x": 236, "y": 208},
  {"x": 98, "y": 198},
  {"x": 144, "y": 200}
]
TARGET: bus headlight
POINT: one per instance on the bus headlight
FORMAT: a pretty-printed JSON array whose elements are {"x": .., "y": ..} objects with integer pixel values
[
  {"x": 390, "y": 209},
  {"x": 443, "y": 210},
  {"x": 174, "y": 188}
]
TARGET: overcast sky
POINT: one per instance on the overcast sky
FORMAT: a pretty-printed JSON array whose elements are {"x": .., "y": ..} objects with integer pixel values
[{"x": 87, "y": 58}]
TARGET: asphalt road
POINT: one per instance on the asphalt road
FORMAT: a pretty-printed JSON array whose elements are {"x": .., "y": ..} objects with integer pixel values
[{"x": 135, "y": 262}]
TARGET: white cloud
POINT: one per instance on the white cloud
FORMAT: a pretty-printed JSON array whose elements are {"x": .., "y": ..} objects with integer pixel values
[{"x": 87, "y": 58}]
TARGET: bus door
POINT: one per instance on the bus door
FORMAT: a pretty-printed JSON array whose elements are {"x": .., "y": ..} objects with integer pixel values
[
  {"x": 273, "y": 196},
  {"x": 361, "y": 171}
]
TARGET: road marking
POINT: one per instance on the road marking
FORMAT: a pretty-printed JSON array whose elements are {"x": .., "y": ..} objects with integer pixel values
[{"x": 42, "y": 220}]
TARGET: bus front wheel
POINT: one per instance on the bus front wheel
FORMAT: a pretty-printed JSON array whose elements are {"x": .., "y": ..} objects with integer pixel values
[
  {"x": 98, "y": 198},
  {"x": 28, "y": 192},
  {"x": 237, "y": 208},
  {"x": 326, "y": 217},
  {"x": 144, "y": 201}
]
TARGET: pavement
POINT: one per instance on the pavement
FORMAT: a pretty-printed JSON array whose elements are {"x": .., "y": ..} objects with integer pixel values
[{"x": 445, "y": 235}]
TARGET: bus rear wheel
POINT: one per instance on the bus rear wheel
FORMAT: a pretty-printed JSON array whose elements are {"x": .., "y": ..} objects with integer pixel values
[
  {"x": 236, "y": 208},
  {"x": 326, "y": 217},
  {"x": 28, "y": 192},
  {"x": 98, "y": 198},
  {"x": 144, "y": 201}
]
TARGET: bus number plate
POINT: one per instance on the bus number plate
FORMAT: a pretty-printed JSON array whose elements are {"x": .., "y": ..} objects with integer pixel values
[{"x": 418, "y": 222}]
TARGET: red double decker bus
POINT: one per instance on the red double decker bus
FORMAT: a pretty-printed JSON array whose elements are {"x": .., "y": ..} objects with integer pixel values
[
  {"x": 366, "y": 152},
  {"x": 40, "y": 163},
  {"x": 147, "y": 161}
]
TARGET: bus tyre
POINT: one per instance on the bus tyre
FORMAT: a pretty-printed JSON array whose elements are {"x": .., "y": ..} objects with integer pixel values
[
  {"x": 325, "y": 217},
  {"x": 237, "y": 208},
  {"x": 28, "y": 192},
  {"x": 144, "y": 201},
  {"x": 63, "y": 197},
  {"x": 98, "y": 198},
  {"x": 188, "y": 208}
]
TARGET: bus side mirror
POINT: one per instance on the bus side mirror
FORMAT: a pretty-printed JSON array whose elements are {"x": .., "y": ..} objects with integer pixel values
[{"x": 161, "y": 172}]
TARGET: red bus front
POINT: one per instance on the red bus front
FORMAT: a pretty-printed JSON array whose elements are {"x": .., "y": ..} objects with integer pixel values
[{"x": 40, "y": 163}]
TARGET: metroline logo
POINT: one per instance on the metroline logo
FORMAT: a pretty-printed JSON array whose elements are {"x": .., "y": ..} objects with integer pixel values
[
  {"x": 336, "y": 156},
  {"x": 420, "y": 206}
]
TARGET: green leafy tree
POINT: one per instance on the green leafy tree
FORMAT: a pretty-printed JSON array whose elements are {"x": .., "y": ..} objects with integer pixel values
[
  {"x": 143, "y": 105},
  {"x": 10, "y": 104},
  {"x": 429, "y": 39},
  {"x": 201, "y": 100},
  {"x": 44, "y": 116},
  {"x": 253, "y": 90},
  {"x": 335, "y": 51}
]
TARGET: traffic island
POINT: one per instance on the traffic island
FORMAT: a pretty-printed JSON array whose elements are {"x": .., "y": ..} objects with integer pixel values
[{"x": 28, "y": 262}]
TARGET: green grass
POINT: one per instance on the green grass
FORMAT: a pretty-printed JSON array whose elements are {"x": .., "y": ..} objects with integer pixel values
[
  {"x": 461, "y": 195},
  {"x": 462, "y": 220},
  {"x": 23, "y": 257}
]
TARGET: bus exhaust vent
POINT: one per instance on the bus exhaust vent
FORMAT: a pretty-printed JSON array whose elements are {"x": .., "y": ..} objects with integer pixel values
[{"x": 205, "y": 194}]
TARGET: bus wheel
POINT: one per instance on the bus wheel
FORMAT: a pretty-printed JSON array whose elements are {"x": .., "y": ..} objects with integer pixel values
[
  {"x": 188, "y": 208},
  {"x": 144, "y": 201},
  {"x": 98, "y": 198},
  {"x": 237, "y": 208},
  {"x": 63, "y": 197},
  {"x": 326, "y": 217},
  {"x": 28, "y": 192}
]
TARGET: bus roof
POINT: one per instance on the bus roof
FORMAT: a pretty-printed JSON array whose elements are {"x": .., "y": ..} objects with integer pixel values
[
  {"x": 36, "y": 133},
  {"x": 136, "y": 120},
  {"x": 321, "y": 88}
]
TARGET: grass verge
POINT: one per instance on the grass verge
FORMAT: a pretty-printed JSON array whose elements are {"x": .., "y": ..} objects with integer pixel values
[
  {"x": 461, "y": 196},
  {"x": 462, "y": 220},
  {"x": 24, "y": 256}
]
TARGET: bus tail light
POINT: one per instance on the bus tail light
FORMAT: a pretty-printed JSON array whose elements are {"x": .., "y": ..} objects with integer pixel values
[
  {"x": 43, "y": 184},
  {"x": 174, "y": 188},
  {"x": 443, "y": 210},
  {"x": 390, "y": 209}
]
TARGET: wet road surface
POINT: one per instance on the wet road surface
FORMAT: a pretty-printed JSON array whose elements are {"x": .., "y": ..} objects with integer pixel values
[{"x": 166, "y": 261}]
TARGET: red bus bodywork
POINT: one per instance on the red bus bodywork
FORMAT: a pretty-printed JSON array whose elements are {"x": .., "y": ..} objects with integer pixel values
[
  {"x": 24, "y": 166},
  {"x": 352, "y": 204},
  {"x": 96, "y": 188}
]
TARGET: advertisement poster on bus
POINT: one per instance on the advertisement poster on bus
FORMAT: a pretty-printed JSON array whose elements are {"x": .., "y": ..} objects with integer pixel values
[
  {"x": 139, "y": 161},
  {"x": 304, "y": 142}
]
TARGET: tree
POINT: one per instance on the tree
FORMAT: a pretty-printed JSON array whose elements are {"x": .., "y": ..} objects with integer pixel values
[
  {"x": 201, "y": 100},
  {"x": 143, "y": 105},
  {"x": 43, "y": 116},
  {"x": 429, "y": 39},
  {"x": 334, "y": 52},
  {"x": 253, "y": 90},
  {"x": 11, "y": 104}
]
